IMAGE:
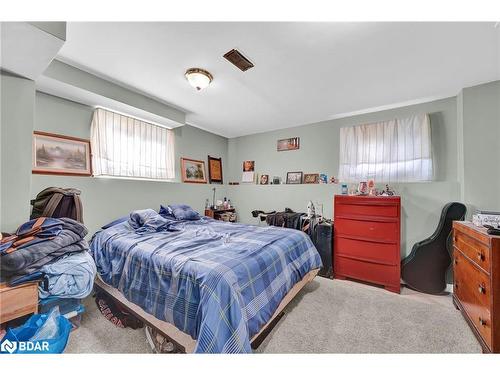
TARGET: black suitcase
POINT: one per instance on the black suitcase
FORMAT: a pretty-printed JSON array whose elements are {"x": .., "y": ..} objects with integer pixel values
[{"x": 323, "y": 240}]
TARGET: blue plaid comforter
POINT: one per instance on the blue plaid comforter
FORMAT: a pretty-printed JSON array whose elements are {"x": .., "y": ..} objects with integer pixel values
[{"x": 219, "y": 282}]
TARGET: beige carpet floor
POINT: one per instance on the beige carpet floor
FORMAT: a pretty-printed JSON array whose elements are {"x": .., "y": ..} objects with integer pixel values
[{"x": 328, "y": 316}]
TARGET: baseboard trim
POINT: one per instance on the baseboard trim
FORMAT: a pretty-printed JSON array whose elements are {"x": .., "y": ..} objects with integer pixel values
[{"x": 449, "y": 288}]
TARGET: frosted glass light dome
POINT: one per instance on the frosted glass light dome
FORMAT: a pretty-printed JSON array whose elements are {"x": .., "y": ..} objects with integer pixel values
[{"x": 198, "y": 78}]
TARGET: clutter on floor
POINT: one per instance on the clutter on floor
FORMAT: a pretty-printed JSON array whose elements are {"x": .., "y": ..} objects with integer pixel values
[
  {"x": 114, "y": 313},
  {"x": 47, "y": 260},
  {"x": 40, "y": 334}
]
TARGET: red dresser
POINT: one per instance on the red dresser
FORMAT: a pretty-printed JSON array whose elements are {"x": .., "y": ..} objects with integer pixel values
[{"x": 367, "y": 239}]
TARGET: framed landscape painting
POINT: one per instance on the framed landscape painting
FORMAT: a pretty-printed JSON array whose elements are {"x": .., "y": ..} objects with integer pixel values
[
  {"x": 60, "y": 154},
  {"x": 193, "y": 171}
]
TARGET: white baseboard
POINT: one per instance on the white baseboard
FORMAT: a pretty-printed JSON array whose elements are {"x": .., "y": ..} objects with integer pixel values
[{"x": 449, "y": 288}]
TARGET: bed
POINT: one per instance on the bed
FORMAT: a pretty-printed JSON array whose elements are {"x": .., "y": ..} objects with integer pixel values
[{"x": 213, "y": 286}]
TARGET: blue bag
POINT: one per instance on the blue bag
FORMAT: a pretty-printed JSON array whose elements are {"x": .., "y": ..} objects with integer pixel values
[{"x": 41, "y": 334}]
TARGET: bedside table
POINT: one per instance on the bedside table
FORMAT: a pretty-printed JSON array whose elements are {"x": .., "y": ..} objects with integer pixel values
[
  {"x": 17, "y": 301},
  {"x": 216, "y": 214}
]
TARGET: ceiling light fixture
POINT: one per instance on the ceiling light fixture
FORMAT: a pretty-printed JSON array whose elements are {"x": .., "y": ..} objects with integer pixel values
[{"x": 198, "y": 78}]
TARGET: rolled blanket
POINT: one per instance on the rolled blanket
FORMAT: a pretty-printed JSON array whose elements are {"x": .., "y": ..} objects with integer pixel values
[
  {"x": 69, "y": 277},
  {"x": 149, "y": 221}
]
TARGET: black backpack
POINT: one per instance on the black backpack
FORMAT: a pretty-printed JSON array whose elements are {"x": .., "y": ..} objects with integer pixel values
[{"x": 58, "y": 202}]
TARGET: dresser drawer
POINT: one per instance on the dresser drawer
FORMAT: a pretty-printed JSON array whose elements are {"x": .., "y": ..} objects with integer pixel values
[
  {"x": 472, "y": 288},
  {"x": 17, "y": 301},
  {"x": 372, "y": 272},
  {"x": 382, "y": 231},
  {"x": 473, "y": 249},
  {"x": 365, "y": 250},
  {"x": 367, "y": 210}
]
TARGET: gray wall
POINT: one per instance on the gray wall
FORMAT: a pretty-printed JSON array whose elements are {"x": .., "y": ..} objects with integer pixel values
[
  {"x": 319, "y": 145},
  {"x": 465, "y": 131},
  {"x": 106, "y": 199},
  {"x": 17, "y": 116},
  {"x": 481, "y": 150}
]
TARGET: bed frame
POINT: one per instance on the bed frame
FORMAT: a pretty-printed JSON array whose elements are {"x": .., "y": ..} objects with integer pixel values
[{"x": 184, "y": 342}]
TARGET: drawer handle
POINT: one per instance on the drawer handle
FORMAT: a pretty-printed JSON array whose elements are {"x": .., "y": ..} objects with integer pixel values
[
  {"x": 455, "y": 260},
  {"x": 482, "y": 321},
  {"x": 456, "y": 286},
  {"x": 480, "y": 256},
  {"x": 482, "y": 289}
]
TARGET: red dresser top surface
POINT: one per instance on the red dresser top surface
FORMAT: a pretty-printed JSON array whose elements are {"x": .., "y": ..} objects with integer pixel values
[{"x": 395, "y": 199}]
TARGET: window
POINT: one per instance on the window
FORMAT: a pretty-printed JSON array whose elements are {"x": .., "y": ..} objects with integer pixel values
[
  {"x": 390, "y": 151},
  {"x": 127, "y": 147}
]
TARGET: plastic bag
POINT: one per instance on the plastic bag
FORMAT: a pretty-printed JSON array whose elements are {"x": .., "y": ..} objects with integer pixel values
[{"x": 41, "y": 334}]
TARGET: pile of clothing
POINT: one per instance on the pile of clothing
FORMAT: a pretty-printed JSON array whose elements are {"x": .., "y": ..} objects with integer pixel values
[
  {"x": 286, "y": 219},
  {"x": 52, "y": 250}
]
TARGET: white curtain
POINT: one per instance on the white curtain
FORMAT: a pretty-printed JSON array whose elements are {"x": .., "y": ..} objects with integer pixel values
[
  {"x": 389, "y": 151},
  {"x": 127, "y": 147}
]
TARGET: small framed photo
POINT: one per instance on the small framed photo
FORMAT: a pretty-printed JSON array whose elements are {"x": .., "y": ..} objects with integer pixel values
[
  {"x": 363, "y": 188},
  {"x": 294, "y": 178},
  {"x": 249, "y": 166},
  {"x": 193, "y": 171},
  {"x": 311, "y": 178},
  {"x": 323, "y": 178},
  {"x": 264, "y": 179},
  {"x": 215, "y": 170},
  {"x": 60, "y": 154},
  {"x": 276, "y": 180},
  {"x": 288, "y": 144}
]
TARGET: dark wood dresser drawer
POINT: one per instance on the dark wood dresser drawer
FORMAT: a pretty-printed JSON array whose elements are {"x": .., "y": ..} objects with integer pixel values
[
  {"x": 475, "y": 250},
  {"x": 472, "y": 286},
  {"x": 476, "y": 292}
]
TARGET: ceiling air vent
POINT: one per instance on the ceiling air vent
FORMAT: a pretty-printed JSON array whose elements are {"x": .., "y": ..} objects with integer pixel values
[{"x": 237, "y": 59}]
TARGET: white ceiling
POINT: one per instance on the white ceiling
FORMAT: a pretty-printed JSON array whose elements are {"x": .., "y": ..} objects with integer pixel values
[{"x": 304, "y": 72}]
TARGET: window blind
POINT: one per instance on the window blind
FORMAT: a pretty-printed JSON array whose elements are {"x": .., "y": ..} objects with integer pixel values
[
  {"x": 124, "y": 146},
  {"x": 398, "y": 150}
]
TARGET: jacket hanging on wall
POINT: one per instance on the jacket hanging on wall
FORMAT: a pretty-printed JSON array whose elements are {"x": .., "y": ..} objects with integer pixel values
[{"x": 58, "y": 202}]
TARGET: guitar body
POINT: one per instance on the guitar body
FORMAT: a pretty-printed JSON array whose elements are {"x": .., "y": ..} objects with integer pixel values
[{"x": 424, "y": 269}]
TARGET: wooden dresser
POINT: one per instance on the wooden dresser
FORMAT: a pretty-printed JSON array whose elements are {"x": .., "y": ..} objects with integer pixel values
[
  {"x": 17, "y": 301},
  {"x": 217, "y": 213},
  {"x": 367, "y": 239},
  {"x": 476, "y": 291}
]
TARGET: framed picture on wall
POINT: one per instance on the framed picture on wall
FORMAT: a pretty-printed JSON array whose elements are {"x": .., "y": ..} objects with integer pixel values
[
  {"x": 294, "y": 178},
  {"x": 311, "y": 178},
  {"x": 193, "y": 171},
  {"x": 60, "y": 154},
  {"x": 214, "y": 170},
  {"x": 288, "y": 144}
]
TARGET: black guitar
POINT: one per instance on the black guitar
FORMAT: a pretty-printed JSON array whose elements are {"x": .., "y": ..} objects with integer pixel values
[{"x": 425, "y": 268}]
